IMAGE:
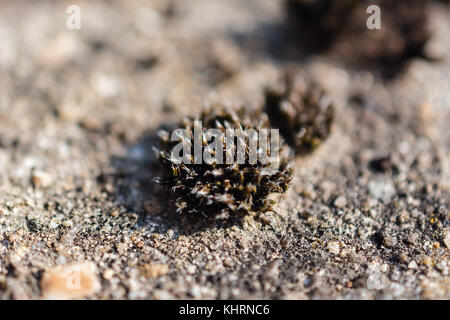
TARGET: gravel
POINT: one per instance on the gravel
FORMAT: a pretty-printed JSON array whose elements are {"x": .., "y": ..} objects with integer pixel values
[{"x": 366, "y": 216}]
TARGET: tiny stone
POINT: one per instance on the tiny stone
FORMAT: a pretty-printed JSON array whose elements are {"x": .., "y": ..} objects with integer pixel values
[
  {"x": 377, "y": 281},
  {"x": 108, "y": 274},
  {"x": 114, "y": 213},
  {"x": 412, "y": 265},
  {"x": 67, "y": 223},
  {"x": 334, "y": 247},
  {"x": 340, "y": 202},
  {"x": 372, "y": 202},
  {"x": 432, "y": 274},
  {"x": 309, "y": 193},
  {"x": 402, "y": 257},
  {"x": 413, "y": 238},
  {"x": 121, "y": 247},
  {"x": 403, "y": 217},
  {"x": 384, "y": 268},
  {"x": 228, "y": 262},
  {"x": 272, "y": 270},
  {"x": 190, "y": 269},
  {"x": 195, "y": 291},
  {"x": 90, "y": 124},
  {"x": 41, "y": 179},
  {"x": 389, "y": 241},
  {"x": 373, "y": 213},
  {"x": 162, "y": 295},
  {"x": 441, "y": 265},
  {"x": 427, "y": 261}
]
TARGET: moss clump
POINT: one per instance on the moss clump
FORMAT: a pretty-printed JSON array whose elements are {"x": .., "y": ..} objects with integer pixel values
[
  {"x": 219, "y": 189},
  {"x": 302, "y": 111}
]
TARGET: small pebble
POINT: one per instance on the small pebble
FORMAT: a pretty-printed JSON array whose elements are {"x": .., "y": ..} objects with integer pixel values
[
  {"x": 427, "y": 261},
  {"x": 67, "y": 223},
  {"x": 154, "y": 270},
  {"x": 73, "y": 281},
  {"x": 162, "y": 295},
  {"x": 228, "y": 262},
  {"x": 114, "y": 213},
  {"x": 441, "y": 265},
  {"x": 389, "y": 241},
  {"x": 334, "y": 247},
  {"x": 447, "y": 237},
  {"x": 41, "y": 179},
  {"x": 108, "y": 274},
  {"x": 340, "y": 202},
  {"x": 403, "y": 257}
]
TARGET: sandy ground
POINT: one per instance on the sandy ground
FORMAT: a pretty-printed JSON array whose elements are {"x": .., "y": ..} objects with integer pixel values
[{"x": 367, "y": 215}]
